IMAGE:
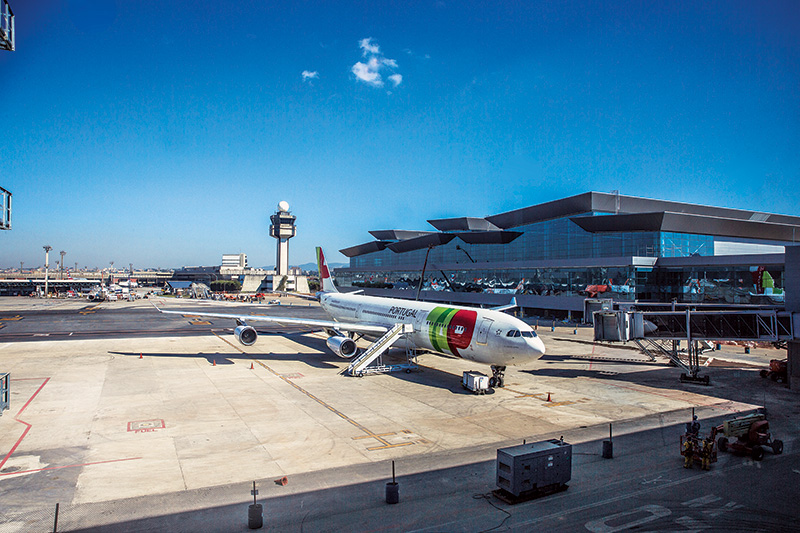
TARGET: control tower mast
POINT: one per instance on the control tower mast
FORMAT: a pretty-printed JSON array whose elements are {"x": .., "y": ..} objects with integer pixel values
[{"x": 283, "y": 229}]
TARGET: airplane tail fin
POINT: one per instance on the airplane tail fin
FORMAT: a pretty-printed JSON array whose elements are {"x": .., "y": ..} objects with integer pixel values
[{"x": 324, "y": 273}]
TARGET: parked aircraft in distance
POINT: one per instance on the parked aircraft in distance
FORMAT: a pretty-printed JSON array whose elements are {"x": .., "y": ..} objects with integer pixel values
[{"x": 486, "y": 336}]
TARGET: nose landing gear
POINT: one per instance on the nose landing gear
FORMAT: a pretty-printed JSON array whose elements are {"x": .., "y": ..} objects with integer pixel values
[{"x": 498, "y": 377}]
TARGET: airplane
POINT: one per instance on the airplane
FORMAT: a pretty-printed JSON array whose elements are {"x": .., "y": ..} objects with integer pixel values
[
  {"x": 486, "y": 336},
  {"x": 507, "y": 290}
]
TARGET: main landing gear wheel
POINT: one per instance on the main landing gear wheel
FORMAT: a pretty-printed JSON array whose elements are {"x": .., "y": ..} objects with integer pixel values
[{"x": 498, "y": 377}]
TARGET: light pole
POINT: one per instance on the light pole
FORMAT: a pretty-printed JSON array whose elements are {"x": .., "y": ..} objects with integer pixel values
[
  {"x": 63, "y": 253},
  {"x": 110, "y": 274},
  {"x": 20, "y": 266},
  {"x": 47, "y": 249}
]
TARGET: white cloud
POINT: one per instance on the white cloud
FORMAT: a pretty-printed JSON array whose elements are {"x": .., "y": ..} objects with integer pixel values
[
  {"x": 376, "y": 66},
  {"x": 367, "y": 74},
  {"x": 368, "y": 47},
  {"x": 309, "y": 75}
]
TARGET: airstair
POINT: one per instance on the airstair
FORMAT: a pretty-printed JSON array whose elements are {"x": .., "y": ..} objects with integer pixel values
[{"x": 361, "y": 364}]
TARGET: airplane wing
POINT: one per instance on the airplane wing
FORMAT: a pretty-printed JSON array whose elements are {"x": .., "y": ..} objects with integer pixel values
[{"x": 249, "y": 319}]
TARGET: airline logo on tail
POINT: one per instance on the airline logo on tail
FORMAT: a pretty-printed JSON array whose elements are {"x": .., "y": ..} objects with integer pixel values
[{"x": 324, "y": 273}]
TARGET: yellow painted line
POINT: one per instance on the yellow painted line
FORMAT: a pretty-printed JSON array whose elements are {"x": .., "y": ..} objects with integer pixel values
[
  {"x": 369, "y": 434},
  {"x": 200, "y": 323},
  {"x": 18, "y": 317},
  {"x": 389, "y": 446}
]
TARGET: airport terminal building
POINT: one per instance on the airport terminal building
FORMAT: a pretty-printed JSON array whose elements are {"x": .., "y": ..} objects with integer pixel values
[{"x": 555, "y": 255}]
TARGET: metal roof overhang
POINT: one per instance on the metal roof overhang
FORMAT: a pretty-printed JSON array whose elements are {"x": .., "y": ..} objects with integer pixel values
[
  {"x": 462, "y": 224},
  {"x": 397, "y": 234},
  {"x": 689, "y": 223},
  {"x": 488, "y": 237},
  {"x": 573, "y": 205},
  {"x": 420, "y": 243},
  {"x": 363, "y": 249},
  {"x": 613, "y": 203}
]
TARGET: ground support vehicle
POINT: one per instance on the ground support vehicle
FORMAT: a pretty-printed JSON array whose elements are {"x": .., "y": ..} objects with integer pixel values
[
  {"x": 752, "y": 437},
  {"x": 476, "y": 382},
  {"x": 777, "y": 371}
]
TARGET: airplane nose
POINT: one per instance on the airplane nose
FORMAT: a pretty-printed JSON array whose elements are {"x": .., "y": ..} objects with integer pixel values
[{"x": 538, "y": 346}]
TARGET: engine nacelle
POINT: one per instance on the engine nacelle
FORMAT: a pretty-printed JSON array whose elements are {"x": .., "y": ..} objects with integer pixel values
[
  {"x": 246, "y": 335},
  {"x": 342, "y": 346}
]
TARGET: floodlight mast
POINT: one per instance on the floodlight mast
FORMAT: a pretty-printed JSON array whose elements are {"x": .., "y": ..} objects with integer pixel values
[{"x": 47, "y": 249}]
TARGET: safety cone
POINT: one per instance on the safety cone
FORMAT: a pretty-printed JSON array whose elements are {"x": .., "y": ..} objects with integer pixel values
[
  {"x": 251, "y": 365},
  {"x": 548, "y": 396},
  {"x": 140, "y": 356},
  {"x": 282, "y": 481},
  {"x": 214, "y": 362}
]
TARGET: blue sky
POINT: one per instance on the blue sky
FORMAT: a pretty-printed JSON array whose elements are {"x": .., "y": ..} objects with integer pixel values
[{"x": 165, "y": 133}]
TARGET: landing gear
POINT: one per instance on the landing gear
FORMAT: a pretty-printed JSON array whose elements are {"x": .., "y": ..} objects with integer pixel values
[{"x": 498, "y": 377}]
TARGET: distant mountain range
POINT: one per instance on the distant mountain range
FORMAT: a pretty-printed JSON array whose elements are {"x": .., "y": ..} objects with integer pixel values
[{"x": 311, "y": 266}]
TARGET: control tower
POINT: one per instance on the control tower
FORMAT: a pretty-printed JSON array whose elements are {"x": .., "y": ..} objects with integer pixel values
[{"x": 283, "y": 229}]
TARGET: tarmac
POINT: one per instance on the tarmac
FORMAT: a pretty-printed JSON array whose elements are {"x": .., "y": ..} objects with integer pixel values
[{"x": 131, "y": 420}]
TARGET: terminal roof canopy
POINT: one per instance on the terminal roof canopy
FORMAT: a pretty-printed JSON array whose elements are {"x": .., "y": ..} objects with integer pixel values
[
  {"x": 366, "y": 248},
  {"x": 397, "y": 234},
  {"x": 614, "y": 213},
  {"x": 599, "y": 202},
  {"x": 689, "y": 223},
  {"x": 419, "y": 243},
  {"x": 463, "y": 224}
]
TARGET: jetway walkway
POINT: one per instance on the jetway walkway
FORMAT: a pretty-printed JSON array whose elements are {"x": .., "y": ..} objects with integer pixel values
[
  {"x": 661, "y": 332},
  {"x": 361, "y": 364}
]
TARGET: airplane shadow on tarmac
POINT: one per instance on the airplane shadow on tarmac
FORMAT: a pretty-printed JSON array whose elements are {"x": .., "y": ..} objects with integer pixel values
[
  {"x": 316, "y": 356},
  {"x": 429, "y": 376}
]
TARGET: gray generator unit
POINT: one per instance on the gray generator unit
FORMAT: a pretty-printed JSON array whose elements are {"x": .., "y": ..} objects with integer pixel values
[{"x": 532, "y": 470}]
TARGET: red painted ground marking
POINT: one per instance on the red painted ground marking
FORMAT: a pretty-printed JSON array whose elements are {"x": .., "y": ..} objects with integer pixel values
[
  {"x": 27, "y": 426},
  {"x": 69, "y": 466}
]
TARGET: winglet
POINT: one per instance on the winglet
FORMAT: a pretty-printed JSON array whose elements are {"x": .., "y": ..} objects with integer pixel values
[
  {"x": 324, "y": 273},
  {"x": 510, "y": 305}
]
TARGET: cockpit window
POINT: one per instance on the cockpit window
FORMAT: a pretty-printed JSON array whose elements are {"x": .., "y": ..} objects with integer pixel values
[
  {"x": 528, "y": 334},
  {"x": 513, "y": 333}
]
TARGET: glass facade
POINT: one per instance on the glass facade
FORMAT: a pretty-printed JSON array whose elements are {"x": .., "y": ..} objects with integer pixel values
[
  {"x": 561, "y": 239},
  {"x": 616, "y": 282},
  {"x": 552, "y": 239}
]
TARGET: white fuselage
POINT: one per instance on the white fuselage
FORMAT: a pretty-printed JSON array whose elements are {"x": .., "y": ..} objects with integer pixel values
[{"x": 481, "y": 335}]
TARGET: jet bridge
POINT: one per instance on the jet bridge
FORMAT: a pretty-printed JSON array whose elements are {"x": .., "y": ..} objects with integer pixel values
[{"x": 662, "y": 331}]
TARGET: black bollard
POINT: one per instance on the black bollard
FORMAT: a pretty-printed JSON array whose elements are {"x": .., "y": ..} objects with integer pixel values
[
  {"x": 392, "y": 489},
  {"x": 255, "y": 518},
  {"x": 608, "y": 446}
]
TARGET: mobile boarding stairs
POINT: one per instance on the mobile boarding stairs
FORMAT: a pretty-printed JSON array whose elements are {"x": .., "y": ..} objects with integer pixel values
[{"x": 361, "y": 364}]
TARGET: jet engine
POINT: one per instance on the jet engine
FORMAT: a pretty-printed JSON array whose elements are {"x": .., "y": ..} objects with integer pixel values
[
  {"x": 246, "y": 335},
  {"x": 342, "y": 346}
]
